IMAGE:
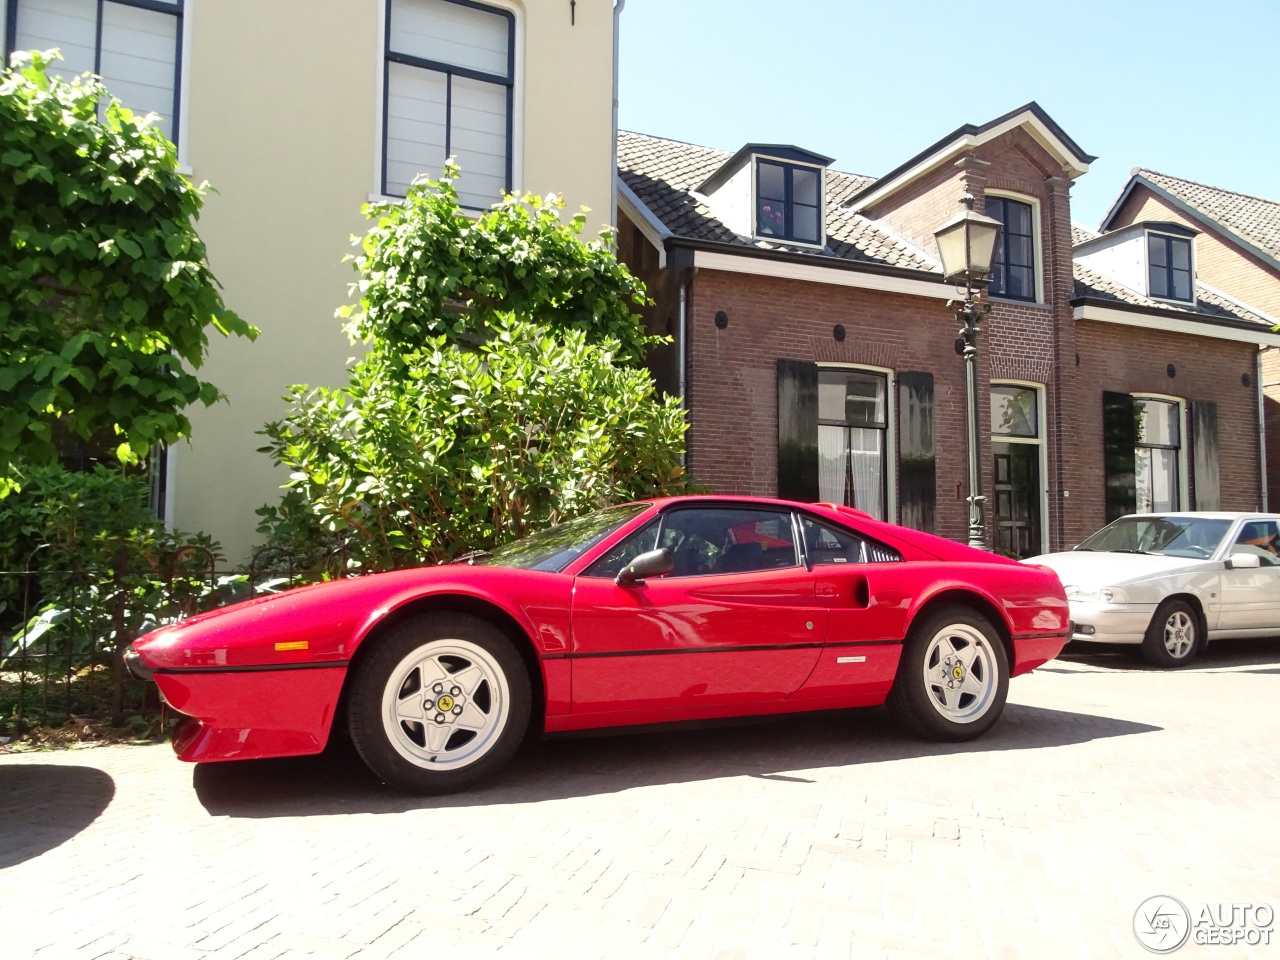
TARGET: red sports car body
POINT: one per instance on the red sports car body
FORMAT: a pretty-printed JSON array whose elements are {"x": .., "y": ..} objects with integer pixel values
[{"x": 681, "y": 609}]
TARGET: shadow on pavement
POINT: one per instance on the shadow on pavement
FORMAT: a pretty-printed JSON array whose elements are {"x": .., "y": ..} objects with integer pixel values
[
  {"x": 1219, "y": 655},
  {"x": 44, "y": 805},
  {"x": 337, "y": 782}
]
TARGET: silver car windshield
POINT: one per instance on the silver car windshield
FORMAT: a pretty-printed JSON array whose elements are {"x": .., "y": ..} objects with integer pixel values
[{"x": 1191, "y": 537}]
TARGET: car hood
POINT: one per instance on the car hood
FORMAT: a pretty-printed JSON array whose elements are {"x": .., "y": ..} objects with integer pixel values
[{"x": 1089, "y": 568}]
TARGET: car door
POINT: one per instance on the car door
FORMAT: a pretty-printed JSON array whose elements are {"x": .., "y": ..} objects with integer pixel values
[
  {"x": 865, "y": 587},
  {"x": 735, "y": 622},
  {"x": 1251, "y": 597}
]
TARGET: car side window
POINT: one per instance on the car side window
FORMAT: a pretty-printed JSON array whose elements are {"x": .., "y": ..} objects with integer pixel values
[
  {"x": 1263, "y": 536},
  {"x": 708, "y": 541},
  {"x": 621, "y": 554},
  {"x": 828, "y": 544}
]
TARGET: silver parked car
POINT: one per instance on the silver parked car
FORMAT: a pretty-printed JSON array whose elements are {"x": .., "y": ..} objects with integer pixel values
[{"x": 1173, "y": 581}]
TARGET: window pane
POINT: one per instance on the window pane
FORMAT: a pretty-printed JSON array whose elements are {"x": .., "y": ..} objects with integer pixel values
[
  {"x": 771, "y": 218},
  {"x": 1013, "y": 411},
  {"x": 806, "y": 224},
  {"x": 851, "y": 396},
  {"x": 1020, "y": 251},
  {"x": 1164, "y": 480},
  {"x": 1018, "y": 218},
  {"x": 478, "y": 139},
  {"x": 69, "y": 25},
  {"x": 833, "y": 464},
  {"x": 828, "y": 545},
  {"x": 642, "y": 541},
  {"x": 1181, "y": 250},
  {"x": 771, "y": 183},
  {"x": 1181, "y": 285},
  {"x": 1021, "y": 283},
  {"x": 1159, "y": 281},
  {"x": 415, "y": 125},
  {"x": 450, "y": 33},
  {"x": 804, "y": 186},
  {"x": 705, "y": 542},
  {"x": 866, "y": 471},
  {"x": 139, "y": 51},
  {"x": 1156, "y": 250},
  {"x": 1157, "y": 422}
]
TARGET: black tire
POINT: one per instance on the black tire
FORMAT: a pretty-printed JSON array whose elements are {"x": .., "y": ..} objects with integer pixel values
[
  {"x": 920, "y": 704},
  {"x": 1174, "y": 636},
  {"x": 468, "y": 678}
]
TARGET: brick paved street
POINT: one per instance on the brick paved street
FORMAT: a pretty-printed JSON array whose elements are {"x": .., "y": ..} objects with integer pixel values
[{"x": 1104, "y": 783}]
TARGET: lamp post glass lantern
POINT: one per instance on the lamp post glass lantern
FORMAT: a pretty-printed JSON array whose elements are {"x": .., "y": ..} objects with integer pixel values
[{"x": 967, "y": 245}]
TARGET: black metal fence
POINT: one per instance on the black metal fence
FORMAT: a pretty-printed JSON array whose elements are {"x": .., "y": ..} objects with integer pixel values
[{"x": 63, "y": 632}]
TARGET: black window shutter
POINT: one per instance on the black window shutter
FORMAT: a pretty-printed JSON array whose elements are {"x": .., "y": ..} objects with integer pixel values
[
  {"x": 1119, "y": 439},
  {"x": 1204, "y": 446},
  {"x": 917, "y": 468},
  {"x": 798, "y": 430}
]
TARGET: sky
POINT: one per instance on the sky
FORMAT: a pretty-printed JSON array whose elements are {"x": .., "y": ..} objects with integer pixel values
[{"x": 1188, "y": 89}]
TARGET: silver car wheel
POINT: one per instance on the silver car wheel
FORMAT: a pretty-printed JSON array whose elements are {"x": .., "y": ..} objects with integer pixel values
[
  {"x": 445, "y": 704},
  {"x": 960, "y": 674},
  {"x": 1179, "y": 634}
]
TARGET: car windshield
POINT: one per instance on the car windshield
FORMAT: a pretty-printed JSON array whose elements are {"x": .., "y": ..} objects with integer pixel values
[
  {"x": 1192, "y": 537},
  {"x": 555, "y": 548}
]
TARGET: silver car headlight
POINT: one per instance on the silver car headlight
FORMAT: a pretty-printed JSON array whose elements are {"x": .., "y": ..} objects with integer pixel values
[{"x": 1095, "y": 594}]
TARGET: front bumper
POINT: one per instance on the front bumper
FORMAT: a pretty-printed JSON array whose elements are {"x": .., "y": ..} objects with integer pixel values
[{"x": 1110, "y": 622}]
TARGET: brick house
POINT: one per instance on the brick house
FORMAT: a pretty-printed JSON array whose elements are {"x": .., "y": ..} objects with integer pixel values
[
  {"x": 1236, "y": 248},
  {"x": 818, "y": 360}
]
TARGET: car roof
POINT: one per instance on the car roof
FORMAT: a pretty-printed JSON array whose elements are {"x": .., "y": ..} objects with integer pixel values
[{"x": 1206, "y": 514}]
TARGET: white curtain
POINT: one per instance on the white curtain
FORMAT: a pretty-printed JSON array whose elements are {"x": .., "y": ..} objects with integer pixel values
[{"x": 851, "y": 467}]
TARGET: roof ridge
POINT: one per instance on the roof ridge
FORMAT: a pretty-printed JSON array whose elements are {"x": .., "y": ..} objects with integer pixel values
[
  {"x": 683, "y": 143},
  {"x": 1206, "y": 186}
]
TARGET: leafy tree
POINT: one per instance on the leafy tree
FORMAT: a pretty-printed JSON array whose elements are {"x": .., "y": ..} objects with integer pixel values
[
  {"x": 465, "y": 449},
  {"x": 105, "y": 289},
  {"x": 428, "y": 269},
  {"x": 500, "y": 392}
]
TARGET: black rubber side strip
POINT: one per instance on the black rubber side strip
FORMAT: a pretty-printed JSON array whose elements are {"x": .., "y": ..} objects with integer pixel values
[
  {"x": 256, "y": 668},
  {"x": 749, "y": 648}
]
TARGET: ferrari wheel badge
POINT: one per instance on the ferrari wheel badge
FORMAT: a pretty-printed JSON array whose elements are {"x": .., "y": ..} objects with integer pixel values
[{"x": 445, "y": 703}]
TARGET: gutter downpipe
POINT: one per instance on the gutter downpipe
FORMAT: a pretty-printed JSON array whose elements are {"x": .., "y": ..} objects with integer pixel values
[
  {"x": 613, "y": 147},
  {"x": 684, "y": 353},
  {"x": 1262, "y": 428}
]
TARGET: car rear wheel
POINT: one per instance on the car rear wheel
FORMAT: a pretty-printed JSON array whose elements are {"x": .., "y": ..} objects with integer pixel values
[
  {"x": 953, "y": 677},
  {"x": 442, "y": 702},
  {"x": 1173, "y": 636}
]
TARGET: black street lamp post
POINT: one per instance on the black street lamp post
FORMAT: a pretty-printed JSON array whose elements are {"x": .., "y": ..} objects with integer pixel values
[{"x": 966, "y": 244}]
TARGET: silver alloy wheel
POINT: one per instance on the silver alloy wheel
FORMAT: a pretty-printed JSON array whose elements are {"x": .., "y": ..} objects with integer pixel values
[
  {"x": 445, "y": 704},
  {"x": 1179, "y": 634},
  {"x": 960, "y": 673}
]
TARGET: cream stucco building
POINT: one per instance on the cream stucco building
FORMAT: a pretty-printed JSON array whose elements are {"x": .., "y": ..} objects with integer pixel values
[{"x": 299, "y": 111}]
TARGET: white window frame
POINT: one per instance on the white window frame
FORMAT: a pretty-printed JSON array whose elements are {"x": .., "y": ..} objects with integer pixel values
[
  {"x": 516, "y": 145},
  {"x": 1037, "y": 244},
  {"x": 822, "y": 203},
  {"x": 1146, "y": 262},
  {"x": 890, "y": 429},
  {"x": 1184, "y": 494},
  {"x": 1040, "y": 439}
]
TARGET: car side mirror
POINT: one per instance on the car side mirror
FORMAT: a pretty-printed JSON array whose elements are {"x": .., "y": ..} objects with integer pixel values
[
  {"x": 1244, "y": 561},
  {"x": 655, "y": 563}
]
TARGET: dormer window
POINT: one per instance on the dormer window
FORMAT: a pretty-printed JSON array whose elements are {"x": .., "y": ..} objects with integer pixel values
[
  {"x": 1169, "y": 267},
  {"x": 788, "y": 202}
]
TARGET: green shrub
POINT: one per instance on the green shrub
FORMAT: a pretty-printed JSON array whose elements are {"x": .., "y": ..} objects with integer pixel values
[{"x": 452, "y": 449}]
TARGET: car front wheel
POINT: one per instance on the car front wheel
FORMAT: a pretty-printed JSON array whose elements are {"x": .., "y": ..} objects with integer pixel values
[
  {"x": 1173, "y": 636},
  {"x": 442, "y": 702},
  {"x": 953, "y": 677}
]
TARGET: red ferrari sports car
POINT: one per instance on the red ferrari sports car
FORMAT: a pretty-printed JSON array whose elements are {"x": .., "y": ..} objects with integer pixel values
[{"x": 681, "y": 609}]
